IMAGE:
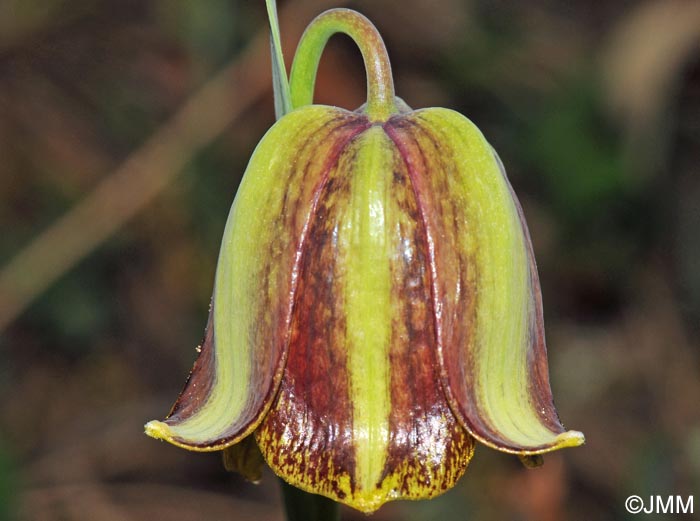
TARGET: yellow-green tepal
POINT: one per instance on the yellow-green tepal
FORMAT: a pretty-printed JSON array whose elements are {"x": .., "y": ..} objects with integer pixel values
[{"x": 376, "y": 308}]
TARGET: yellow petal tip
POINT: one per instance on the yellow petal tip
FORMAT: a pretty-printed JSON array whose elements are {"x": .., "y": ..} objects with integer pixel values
[
  {"x": 158, "y": 430},
  {"x": 570, "y": 439}
]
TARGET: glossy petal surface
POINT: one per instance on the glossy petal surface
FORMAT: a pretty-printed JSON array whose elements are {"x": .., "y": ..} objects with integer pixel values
[
  {"x": 241, "y": 361},
  {"x": 361, "y": 416},
  {"x": 485, "y": 289},
  {"x": 376, "y": 304}
]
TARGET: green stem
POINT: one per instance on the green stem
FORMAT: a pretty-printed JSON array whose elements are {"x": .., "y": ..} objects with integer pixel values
[
  {"x": 302, "y": 506},
  {"x": 380, "y": 84}
]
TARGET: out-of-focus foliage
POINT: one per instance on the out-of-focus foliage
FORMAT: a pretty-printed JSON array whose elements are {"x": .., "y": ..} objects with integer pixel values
[
  {"x": 8, "y": 485},
  {"x": 594, "y": 108}
]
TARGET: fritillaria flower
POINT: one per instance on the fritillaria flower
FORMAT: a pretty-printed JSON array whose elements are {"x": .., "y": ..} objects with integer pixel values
[{"x": 376, "y": 308}]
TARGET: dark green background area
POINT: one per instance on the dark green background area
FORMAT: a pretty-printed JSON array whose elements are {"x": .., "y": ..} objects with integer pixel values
[{"x": 594, "y": 109}]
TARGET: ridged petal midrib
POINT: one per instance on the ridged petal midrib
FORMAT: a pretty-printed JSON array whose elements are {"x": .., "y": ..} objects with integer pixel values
[{"x": 364, "y": 248}]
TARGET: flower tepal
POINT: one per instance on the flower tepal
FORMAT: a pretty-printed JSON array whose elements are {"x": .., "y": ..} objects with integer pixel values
[{"x": 376, "y": 305}]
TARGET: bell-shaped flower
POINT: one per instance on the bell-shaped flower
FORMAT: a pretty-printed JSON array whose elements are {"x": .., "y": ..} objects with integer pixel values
[{"x": 376, "y": 307}]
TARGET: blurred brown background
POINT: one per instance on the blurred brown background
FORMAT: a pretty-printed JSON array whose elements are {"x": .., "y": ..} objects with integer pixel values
[{"x": 125, "y": 126}]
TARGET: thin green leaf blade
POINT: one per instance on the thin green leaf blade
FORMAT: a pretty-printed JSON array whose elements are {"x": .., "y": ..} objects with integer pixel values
[{"x": 280, "y": 82}]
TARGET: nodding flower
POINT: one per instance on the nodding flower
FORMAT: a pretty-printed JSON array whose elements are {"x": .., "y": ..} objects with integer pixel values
[{"x": 376, "y": 308}]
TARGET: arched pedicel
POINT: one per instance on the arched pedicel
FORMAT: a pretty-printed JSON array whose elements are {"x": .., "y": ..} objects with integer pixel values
[
  {"x": 241, "y": 361},
  {"x": 486, "y": 294},
  {"x": 381, "y": 102}
]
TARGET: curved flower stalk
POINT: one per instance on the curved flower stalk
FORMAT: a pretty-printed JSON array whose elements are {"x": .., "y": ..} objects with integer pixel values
[{"x": 376, "y": 305}]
